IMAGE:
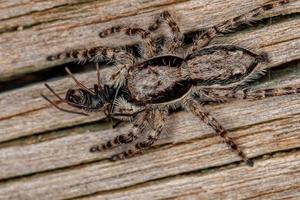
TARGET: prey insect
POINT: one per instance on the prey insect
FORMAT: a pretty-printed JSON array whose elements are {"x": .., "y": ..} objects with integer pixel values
[{"x": 145, "y": 89}]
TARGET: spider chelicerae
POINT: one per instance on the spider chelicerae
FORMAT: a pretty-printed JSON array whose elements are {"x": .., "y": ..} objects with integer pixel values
[{"x": 147, "y": 87}]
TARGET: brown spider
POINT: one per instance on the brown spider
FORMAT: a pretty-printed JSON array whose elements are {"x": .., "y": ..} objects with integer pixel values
[{"x": 146, "y": 88}]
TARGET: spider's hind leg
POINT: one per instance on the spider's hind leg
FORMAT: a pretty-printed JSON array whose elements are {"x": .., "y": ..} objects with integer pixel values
[
  {"x": 229, "y": 25},
  {"x": 175, "y": 37},
  {"x": 205, "y": 116},
  {"x": 228, "y": 94}
]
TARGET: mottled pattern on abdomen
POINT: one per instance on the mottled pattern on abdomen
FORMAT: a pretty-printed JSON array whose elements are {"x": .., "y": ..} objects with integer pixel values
[{"x": 222, "y": 64}]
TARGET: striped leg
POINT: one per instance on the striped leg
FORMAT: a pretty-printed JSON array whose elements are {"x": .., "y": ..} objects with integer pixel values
[
  {"x": 233, "y": 23},
  {"x": 147, "y": 47},
  {"x": 230, "y": 94},
  {"x": 138, "y": 127},
  {"x": 120, "y": 57},
  {"x": 174, "y": 39},
  {"x": 96, "y": 54},
  {"x": 158, "y": 121},
  {"x": 200, "y": 112}
]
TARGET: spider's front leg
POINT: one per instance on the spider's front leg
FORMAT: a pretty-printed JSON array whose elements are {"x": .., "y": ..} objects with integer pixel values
[
  {"x": 148, "y": 49},
  {"x": 119, "y": 56},
  {"x": 231, "y": 24},
  {"x": 95, "y": 54},
  {"x": 175, "y": 37},
  {"x": 158, "y": 121},
  {"x": 139, "y": 126},
  {"x": 204, "y": 115}
]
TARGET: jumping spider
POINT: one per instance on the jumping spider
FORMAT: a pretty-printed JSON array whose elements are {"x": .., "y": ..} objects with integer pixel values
[{"x": 145, "y": 89}]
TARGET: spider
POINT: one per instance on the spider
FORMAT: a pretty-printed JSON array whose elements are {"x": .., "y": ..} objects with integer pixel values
[{"x": 146, "y": 88}]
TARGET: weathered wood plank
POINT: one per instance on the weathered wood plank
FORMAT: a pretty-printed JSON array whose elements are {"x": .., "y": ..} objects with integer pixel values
[
  {"x": 185, "y": 156},
  {"x": 17, "y": 9},
  {"x": 73, "y": 150},
  {"x": 49, "y": 31},
  {"x": 272, "y": 178},
  {"x": 51, "y": 166},
  {"x": 34, "y": 115}
]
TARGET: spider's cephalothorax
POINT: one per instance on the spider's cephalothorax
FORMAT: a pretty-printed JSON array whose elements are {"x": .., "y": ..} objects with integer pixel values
[{"x": 145, "y": 89}]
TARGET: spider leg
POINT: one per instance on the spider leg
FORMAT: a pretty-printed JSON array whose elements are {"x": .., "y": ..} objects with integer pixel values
[
  {"x": 174, "y": 39},
  {"x": 229, "y": 25},
  {"x": 122, "y": 59},
  {"x": 139, "y": 126},
  {"x": 147, "y": 47},
  {"x": 159, "y": 121},
  {"x": 226, "y": 94},
  {"x": 95, "y": 54},
  {"x": 205, "y": 116},
  {"x": 268, "y": 92},
  {"x": 107, "y": 112},
  {"x": 116, "y": 123}
]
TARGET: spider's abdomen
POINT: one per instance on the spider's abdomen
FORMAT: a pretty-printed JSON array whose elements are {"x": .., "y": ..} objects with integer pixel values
[
  {"x": 221, "y": 64},
  {"x": 158, "y": 80}
]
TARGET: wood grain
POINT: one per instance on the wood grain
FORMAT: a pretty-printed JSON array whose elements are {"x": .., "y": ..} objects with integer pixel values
[
  {"x": 195, "y": 154},
  {"x": 20, "y": 120},
  {"x": 76, "y": 25},
  {"x": 184, "y": 127},
  {"x": 232, "y": 182},
  {"x": 44, "y": 153}
]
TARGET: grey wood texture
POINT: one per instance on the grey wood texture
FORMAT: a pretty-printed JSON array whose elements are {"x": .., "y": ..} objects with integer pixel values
[{"x": 44, "y": 152}]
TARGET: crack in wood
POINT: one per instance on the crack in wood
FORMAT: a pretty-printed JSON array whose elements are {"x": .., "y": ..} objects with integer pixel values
[
  {"x": 37, "y": 162},
  {"x": 201, "y": 172}
]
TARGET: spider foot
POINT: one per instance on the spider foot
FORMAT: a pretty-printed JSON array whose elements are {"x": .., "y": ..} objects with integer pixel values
[{"x": 126, "y": 154}]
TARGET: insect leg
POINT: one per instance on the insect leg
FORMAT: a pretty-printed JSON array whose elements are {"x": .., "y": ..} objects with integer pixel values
[
  {"x": 229, "y": 25},
  {"x": 159, "y": 121},
  {"x": 99, "y": 83},
  {"x": 147, "y": 47},
  {"x": 139, "y": 126},
  {"x": 205, "y": 116},
  {"x": 62, "y": 100},
  {"x": 174, "y": 40},
  {"x": 78, "y": 83}
]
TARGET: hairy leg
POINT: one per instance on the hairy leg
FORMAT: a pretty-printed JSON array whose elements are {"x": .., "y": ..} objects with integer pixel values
[
  {"x": 229, "y": 25},
  {"x": 95, "y": 54},
  {"x": 158, "y": 124},
  {"x": 204, "y": 115},
  {"x": 174, "y": 39},
  {"x": 147, "y": 47},
  {"x": 139, "y": 126},
  {"x": 227, "y": 94}
]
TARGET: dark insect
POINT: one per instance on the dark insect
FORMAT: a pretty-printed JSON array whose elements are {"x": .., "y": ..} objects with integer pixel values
[{"x": 146, "y": 88}]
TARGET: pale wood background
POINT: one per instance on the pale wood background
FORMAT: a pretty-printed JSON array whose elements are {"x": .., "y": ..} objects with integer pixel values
[{"x": 44, "y": 153}]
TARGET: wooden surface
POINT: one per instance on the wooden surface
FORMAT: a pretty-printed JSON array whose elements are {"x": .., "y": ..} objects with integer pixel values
[{"x": 44, "y": 152}]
